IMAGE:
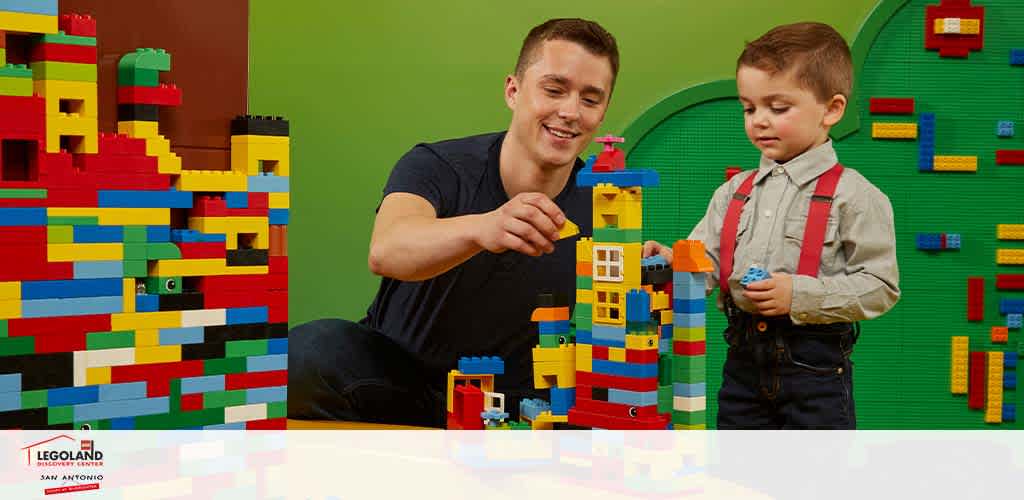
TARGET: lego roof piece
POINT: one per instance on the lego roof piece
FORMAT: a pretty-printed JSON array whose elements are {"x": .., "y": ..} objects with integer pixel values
[{"x": 689, "y": 256}]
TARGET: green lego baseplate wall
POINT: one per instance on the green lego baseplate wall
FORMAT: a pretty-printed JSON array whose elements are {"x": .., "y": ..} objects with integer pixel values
[{"x": 902, "y": 371}]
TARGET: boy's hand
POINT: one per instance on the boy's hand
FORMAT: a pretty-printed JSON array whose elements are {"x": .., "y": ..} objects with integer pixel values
[
  {"x": 774, "y": 296},
  {"x": 652, "y": 248}
]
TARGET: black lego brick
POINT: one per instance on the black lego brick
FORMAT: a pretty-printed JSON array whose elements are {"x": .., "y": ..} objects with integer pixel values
[
  {"x": 138, "y": 112},
  {"x": 599, "y": 393},
  {"x": 259, "y": 125},
  {"x": 656, "y": 275},
  {"x": 206, "y": 350},
  {"x": 552, "y": 300},
  {"x": 186, "y": 301},
  {"x": 41, "y": 371},
  {"x": 248, "y": 257}
]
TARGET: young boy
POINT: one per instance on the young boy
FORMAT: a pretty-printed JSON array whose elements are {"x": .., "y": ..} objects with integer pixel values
[{"x": 823, "y": 232}]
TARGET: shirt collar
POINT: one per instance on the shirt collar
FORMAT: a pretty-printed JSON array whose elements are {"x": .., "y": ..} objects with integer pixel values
[{"x": 804, "y": 168}]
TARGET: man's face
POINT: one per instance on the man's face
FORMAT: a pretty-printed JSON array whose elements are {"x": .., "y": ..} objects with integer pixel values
[
  {"x": 781, "y": 118},
  {"x": 559, "y": 102}
]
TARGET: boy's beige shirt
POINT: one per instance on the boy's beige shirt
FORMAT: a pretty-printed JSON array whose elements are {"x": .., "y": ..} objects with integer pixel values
[{"x": 858, "y": 278}]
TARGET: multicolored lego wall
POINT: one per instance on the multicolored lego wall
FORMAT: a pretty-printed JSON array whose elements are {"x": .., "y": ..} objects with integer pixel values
[
  {"x": 135, "y": 292},
  {"x": 931, "y": 123}
]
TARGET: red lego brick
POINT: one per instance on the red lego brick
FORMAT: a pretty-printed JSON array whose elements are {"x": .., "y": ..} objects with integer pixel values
[
  {"x": 271, "y": 424},
  {"x": 240, "y": 283},
  {"x": 234, "y": 381},
  {"x": 77, "y": 25},
  {"x": 60, "y": 270},
  {"x": 641, "y": 356},
  {"x": 468, "y": 403},
  {"x": 976, "y": 384},
  {"x": 609, "y": 161},
  {"x": 259, "y": 200},
  {"x": 23, "y": 117},
  {"x": 191, "y": 402},
  {"x": 205, "y": 250},
  {"x": 584, "y": 392},
  {"x": 452, "y": 423},
  {"x": 892, "y": 105},
  {"x": 617, "y": 382},
  {"x": 686, "y": 348},
  {"x": 277, "y": 282},
  {"x": 1010, "y": 156},
  {"x": 1010, "y": 281},
  {"x": 70, "y": 341},
  {"x": 953, "y": 45},
  {"x": 119, "y": 144},
  {"x": 163, "y": 95},
  {"x": 599, "y": 352},
  {"x": 83, "y": 54},
  {"x": 587, "y": 419},
  {"x": 616, "y": 409},
  {"x": 730, "y": 172},
  {"x": 25, "y": 327},
  {"x": 278, "y": 307},
  {"x": 1000, "y": 334},
  {"x": 22, "y": 235},
  {"x": 975, "y": 298},
  {"x": 156, "y": 375},
  {"x": 278, "y": 265}
]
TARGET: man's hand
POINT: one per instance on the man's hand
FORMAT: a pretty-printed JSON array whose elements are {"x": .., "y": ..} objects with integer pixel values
[
  {"x": 528, "y": 224},
  {"x": 774, "y": 296},
  {"x": 652, "y": 248}
]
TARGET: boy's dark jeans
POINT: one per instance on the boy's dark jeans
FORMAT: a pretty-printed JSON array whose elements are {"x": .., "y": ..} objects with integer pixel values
[
  {"x": 786, "y": 376},
  {"x": 340, "y": 370}
]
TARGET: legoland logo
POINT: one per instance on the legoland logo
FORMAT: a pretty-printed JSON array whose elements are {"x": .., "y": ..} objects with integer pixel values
[{"x": 65, "y": 451}]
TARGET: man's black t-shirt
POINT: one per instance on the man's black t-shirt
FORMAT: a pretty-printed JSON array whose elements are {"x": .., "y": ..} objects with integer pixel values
[{"x": 481, "y": 307}]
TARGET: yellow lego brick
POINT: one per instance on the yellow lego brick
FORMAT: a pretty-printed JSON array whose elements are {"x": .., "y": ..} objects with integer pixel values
[
  {"x": 547, "y": 374},
  {"x": 147, "y": 337},
  {"x": 568, "y": 229},
  {"x": 584, "y": 249},
  {"x": 563, "y": 354},
  {"x": 970, "y": 26},
  {"x": 201, "y": 267},
  {"x": 138, "y": 129},
  {"x": 584, "y": 358},
  {"x": 956, "y": 26},
  {"x": 955, "y": 163},
  {"x": 641, "y": 342},
  {"x": 1009, "y": 256},
  {"x": 167, "y": 161},
  {"x": 485, "y": 382},
  {"x": 1010, "y": 231},
  {"x": 145, "y": 320},
  {"x": 10, "y": 290},
  {"x": 232, "y": 226},
  {"x": 84, "y": 128},
  {"x": 27, "y": 23},
  {"x": 10, "y": 309},
  {"x": 211, "y": 180},
  {"x": 609, "y": 306},
  {"x": 283, "y": 200},
  {"x": 660, "y": 301},
  {"x": 690, "y": 427},
  {"x": 128, "y": 293},
  {"x": 958, "y": 364},
  {"x": 689, "y": 334},
  {"x": 117, "y": 216},
  {"x": 97, "y": 376},
  {"x": 78, "y": 252},
  {"x": 267, "y": 154},
  {"x": 617, "y": 354},
  {"x": 157, "y": 354},
  {"x": 547, "y": 417},
  {"x": 617, "y": 206},
  {"x": 881, "y": 130},
  {"x": 666, "y": 317},
  {"x": 80, "y": 96},
  {"x": 584, "y": 296}
]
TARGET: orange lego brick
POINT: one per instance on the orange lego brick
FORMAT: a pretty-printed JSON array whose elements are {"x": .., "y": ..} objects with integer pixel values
[
  {"x": 689, "y": 256},
  {"x": 550, "y": 314},
  {"x": 1000, "y": 334},
  {"x": 584, "y": 269}
]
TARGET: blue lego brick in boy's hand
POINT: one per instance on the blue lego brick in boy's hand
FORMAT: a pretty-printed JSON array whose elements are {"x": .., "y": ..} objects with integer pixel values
[
  {"x": 486, "y": 365},
  {"x": 754, "y": 274}
]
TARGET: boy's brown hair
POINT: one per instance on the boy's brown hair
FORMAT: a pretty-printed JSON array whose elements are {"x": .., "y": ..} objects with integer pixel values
[
  {"x": 587, "y": 34},
  {"x": 815, "y": 51}
]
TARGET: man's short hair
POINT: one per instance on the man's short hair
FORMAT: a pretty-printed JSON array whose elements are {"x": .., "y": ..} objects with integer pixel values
[
  {"x": 587, "y": 34},
  {"x": 815, "y": 51}
]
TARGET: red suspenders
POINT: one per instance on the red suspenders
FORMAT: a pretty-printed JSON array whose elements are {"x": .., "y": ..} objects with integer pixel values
[{"x": 814, "y": 232}]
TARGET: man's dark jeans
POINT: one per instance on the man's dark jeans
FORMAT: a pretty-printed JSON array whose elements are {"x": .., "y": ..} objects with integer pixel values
[{"x": 340, "y": 370}]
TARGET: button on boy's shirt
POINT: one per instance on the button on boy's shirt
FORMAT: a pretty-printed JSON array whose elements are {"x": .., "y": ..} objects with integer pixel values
[{"x": 858, "y": 278}]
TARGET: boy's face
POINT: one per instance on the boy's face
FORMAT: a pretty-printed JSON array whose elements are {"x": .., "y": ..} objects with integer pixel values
[
  {"x": 782, "y": 118},
  {"x": 558, "y": 102}
]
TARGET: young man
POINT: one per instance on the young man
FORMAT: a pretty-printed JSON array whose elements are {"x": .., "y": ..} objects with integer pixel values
[
  {"x": 465, "y": 239},
  {"x": 830, "y": 251}
]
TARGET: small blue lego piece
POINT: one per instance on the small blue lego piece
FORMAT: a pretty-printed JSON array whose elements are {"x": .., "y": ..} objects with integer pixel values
[
  {"x": 689, "y": 305},
  {"x": 44, "y": 7},
  {"x": 1010, "y": 379},
  {"x": 929, "y": 241},
  {"x": 953, "y": 241},
  {"x": 605, "y": 332},
  {"x": 66, "y": 289},
  {"x": 66, "y": 396},
  {"x": 689, "y": 320},
  {"x": 754, "y": 274},
  {"x": 1016, "y": 57},
  {"x": 530, "y": 408},
  {"x": 246, "y": 315},
  {"x": 268, "y": 363},
  {"x": 182, "y": 336},
  {"x": 158, "y": 234},
  {"x": 638, "y": 305},
  {"x": 97, "y": 234},
  {"x": 1010, "y": 360},
  {"x": 277, "y": 346},
  {"x": 1011, "y": 306},
  {"x": 484, "y": 365},
  {"x": 145, "y": 302},
  {"x": 124, "y": 408},
  {"x": 1004, "y": 128},
  {"x": 238, "y": 199},
  {"x": 1009, "y": 412},
  {"x": 654, "y": 261},
  {"x": 562, "y": 400},
  {"x": 45, "y": 308},
  {"x": 689, "y": 390},
  {"x": 144, "y": 199},
  {"x": 621, "y": 178},
  {"x": 259, "y": 395},
  {"x": 553, "y": 327},
  {"x": 10, "y": 382},
  {"x": 278, "y": 216},
  {"x": 98, "y": 269},
  {"x": 193, "y": 236},
  {"x": 493, "y": 414},
  {"x": 10, "y": 401},
  {"x": 127, "y": 390},
  {"x": 1014, "y": 320},
  {"x": 268, "y": 184},
  {"x": 635, "y": 370},
  {"x": 125, "y": 423},
  {"x": 22, "y": 216},
  {"x": 206, "y": 383}
]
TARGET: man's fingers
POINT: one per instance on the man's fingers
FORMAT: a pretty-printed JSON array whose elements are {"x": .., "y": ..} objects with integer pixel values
[
  {"x": 529, "y": 235},
  {"x": 545, "y": 205},
  {"x": 537, "y": 218}
]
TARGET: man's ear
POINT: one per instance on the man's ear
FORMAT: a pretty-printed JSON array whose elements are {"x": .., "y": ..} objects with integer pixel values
[
  {"x": 834, "y": 110},
  {"x": 511, "y": 90}
]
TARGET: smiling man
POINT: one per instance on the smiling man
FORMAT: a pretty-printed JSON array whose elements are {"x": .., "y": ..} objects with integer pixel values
[{"x": 465, "y": 238}]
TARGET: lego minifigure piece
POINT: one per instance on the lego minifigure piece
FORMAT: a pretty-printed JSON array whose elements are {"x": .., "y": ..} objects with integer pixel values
[{"x": 754, "y": 274}]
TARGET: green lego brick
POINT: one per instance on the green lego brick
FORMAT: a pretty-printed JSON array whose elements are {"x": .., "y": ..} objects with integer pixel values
[
  {"x": 109, "y": 340},
  {"x": 60, "y": 234},
  {"x": 689, "y": 334},
  {"x": 641, "y": 328},
  {"x": 224, "y": 366},
  {"x": 135, "y": 234},
  {"x": 72, "y": 220},
  {"x": 519, "y": 426},
  {"x": 61, "y": 38},
  {"x": 163, "y": 285},
  {"x": 555, "y": 340},
  {"x": 665, "y": 369},
  {"x": 104, "y": 425},
  {"x": 3, "y": 328},
  {"x": 14, "y": 346},
  {"x": 135, "y": 269},
  {"x": 584, "y": 282},
  {"x": 665, "y": 398},
  {"x": 21, "y": 87},
  {"x": 1020, "y": 348},
  {"x": 33, "y": 399},
  {"x": 60, "y": 415},
  {"x": 165, "y": 250},
  {"x": 186, "y": 419},
  {"x": 241, "y": 348},
  {"x": 220, "y": 399},
  {"x": 583, "y": 310},
  {"x": 615, "y": 235},
  {"x": 53, "y": 70},
  {"x": 689, "y": 369},
  {"x": 146, "y": 58},
  {"x": 689, "y": 417},
  {"x": 16, "y": 71},
  {"x": 135, "y": 251},
  {"x": 23, "y": 194},
  {"x": 175, "y": 396},
  {"x": 277, "y": 409}
]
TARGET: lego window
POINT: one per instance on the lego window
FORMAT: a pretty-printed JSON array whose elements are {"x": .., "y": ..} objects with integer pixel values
[
  {"x": 608, "y": 306},
  {"x": 73, "y": 106},
  {"x": 607, "y": 263},
  {"x": 72, "y": 143},
  {"x": 19, "y": 160},
  {"x": 268, "y": 166},
  {"x": 246, "y": 240}
]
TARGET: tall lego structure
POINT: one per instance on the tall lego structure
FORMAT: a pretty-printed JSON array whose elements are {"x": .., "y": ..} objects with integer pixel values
[{"x": 135, "y": 293}]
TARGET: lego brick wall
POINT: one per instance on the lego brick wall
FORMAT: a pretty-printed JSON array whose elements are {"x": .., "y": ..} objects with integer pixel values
[{"x": 902, "y": 372}]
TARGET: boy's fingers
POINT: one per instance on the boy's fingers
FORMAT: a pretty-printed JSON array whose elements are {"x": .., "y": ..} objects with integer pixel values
[
  {"x": 767, "y": 284},
  {"x": 758, "y": 295}
]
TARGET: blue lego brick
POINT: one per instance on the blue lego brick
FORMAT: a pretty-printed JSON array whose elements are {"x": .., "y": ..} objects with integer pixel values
[
  {"x": 207, "y": 383},
  {"x": 620, "y": 178},
  {"x": 689, "y": 285},
  {"x": 1010, "y": 360},
  {"x": 267, "y": 363},
  {"x": 562, "y": 400},
  {"x": 193, "y": 236},
  {"x": 278, "y": 216},
  {"x": 44, "y": 7},
  {"x": 144, "y": 199},
  {"x": 689, "y": 306},
  {"x": 277, "y": 346},
  {"x": 481, "y": 365},
  {"x": 635, "y": 370},
  {"x": 530, "y": 408},
  {"x": 929, "y": 241},
  {"x": 926, "y": 163},
  {"x": 67, "y": 289},
  {"x": 127, "y": 390},
  {"x": 607, "y": 332},
  {"x": 236, "y": 200},
  {"x": 604, "y": 342},
  {"x": 268, "y": 184},
  {"x": 585, "y": 337},
  {"x": 1010, "y": 379},
  {"x": 1004, "y": 128},
  {"x": 753, "y": 275},
  {"x": 1009, "y": 412},
  {"x": 632, "y": 398},
  {"x": 10, "y": 382},
  {"x": 22, "y": 216},
  {"x": 1011, "y": 306},
  {"x": 244, "y": 315},
  {"x": 46, "y": 308},
  {"x": 122, "y": 424},
  {"x": 953, "y": 241},
  {"x": 66, "y": 396},
  {"x": 266, "y": 395},
  {"x": 98, "y": 234},
  {"x": 665, "y": 332},
  {"x": 547, "y": 327},
  {"x": 665, "y": 342},
  {"x": 158, "y": 234},
  {"x": 638, "y": 305},
  {"x": 233, "y": 426},
  {"x": 145, "y": 302},
  {"x": 1016, "y": 57},
  {"x": 926, "y": 118},
  {"x": 689, "y": 390},
  {"x": 493, "y": 414},
  {"x": 654, "y": 260},
  {"x": 98, "y": 269},
  {"x": 1014, "y": 320},
  {"x": 179, "y": 336},
  {"x": 123, "y": 408},
  {"x": 686, "y": 320},
  {"x": 10, "y": 401}
]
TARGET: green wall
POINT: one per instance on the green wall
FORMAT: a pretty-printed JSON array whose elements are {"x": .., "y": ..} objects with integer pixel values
[{"x": 362, "y": 82}]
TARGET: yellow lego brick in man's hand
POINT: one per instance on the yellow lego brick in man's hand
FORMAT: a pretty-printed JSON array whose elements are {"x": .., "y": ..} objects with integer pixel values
[{"x": 568, "y": 229}]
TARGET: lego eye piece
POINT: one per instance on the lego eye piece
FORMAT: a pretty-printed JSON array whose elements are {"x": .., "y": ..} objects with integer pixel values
[
  {"x": 86, "y": 427},
  {"x": 633, "y": 411},
  {"x": 562, "y": 340},
  {"x": 650, "y": 342},
  {"x": 171, "y": 285},
  {"x": 140, "y": 288}
]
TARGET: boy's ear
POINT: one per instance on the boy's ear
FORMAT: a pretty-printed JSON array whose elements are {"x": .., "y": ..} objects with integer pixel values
[
  {"x": 834, "y": 110},
  {"x": 511, "y": 90}
]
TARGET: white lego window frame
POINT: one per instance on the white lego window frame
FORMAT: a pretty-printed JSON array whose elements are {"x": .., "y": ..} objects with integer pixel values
[
  {"x": 608, "y": 263},
  {"x": 494, "y": 401}
]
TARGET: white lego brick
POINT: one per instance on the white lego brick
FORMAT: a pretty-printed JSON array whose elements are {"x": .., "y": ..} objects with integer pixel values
[
  {"x": 79, "y": 361},
  {"x": 110, "y": 357},
  {"x": 204, "y": 317},
  {"x": 951, "y": 25},
  {"x": 245, "y": 413},
  {"x": 682, "y": 403}
]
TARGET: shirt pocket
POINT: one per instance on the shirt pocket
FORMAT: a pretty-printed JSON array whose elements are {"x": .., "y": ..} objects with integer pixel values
[{"x": 793, "y": 230}]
